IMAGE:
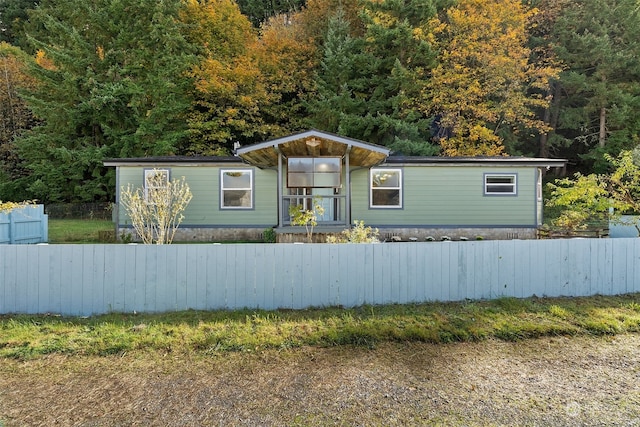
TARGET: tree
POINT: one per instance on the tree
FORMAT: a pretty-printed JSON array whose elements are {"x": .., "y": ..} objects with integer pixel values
[
  {"x": 541, "y": 43},
  {"x": 15, "y": 117},
  {"x": 287, "y": 57},
  {"x": 156, "y": 210},
  {"x": 229, "y": 87},
  {"x": 370, "y": 81},
  {"x": 13, "y": 15},
  {"x": 484, "y": 85},
  {"x": 107, "y": 91},
  {"x": 587, "y": 197},
  {"x": 599, "y": 41},
  {"x": 260, "y": 11}
]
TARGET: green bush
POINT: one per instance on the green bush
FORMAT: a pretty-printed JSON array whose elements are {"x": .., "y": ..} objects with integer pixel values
[{"x": 269, "y": 235}]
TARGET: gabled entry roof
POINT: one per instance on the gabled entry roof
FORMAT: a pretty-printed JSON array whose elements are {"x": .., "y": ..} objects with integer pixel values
[{"x": 313, "y": 143}]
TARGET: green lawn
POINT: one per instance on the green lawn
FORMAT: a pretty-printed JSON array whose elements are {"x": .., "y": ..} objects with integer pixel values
[
  {"x": 209, "y": 332},
  {"x": 78, "y": 230}
]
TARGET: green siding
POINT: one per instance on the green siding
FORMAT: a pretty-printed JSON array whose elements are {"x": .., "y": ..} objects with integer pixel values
[
  {"x": 449, "y": 195},
  {"x": 432, "y": 196},
  {"x": 204, "y": 208}
]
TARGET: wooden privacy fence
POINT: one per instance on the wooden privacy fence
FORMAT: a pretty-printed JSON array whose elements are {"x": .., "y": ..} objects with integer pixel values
[
  {"x": 94, "y": 279},
  {"x": 24, "y": 225}
]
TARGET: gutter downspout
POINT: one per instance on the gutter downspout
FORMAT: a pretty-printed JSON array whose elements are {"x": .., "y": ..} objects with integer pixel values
[
  {"x": 347, "y": 203},
  {"x": 115, "y": 215},
  {"x": 279, "y": 192}
]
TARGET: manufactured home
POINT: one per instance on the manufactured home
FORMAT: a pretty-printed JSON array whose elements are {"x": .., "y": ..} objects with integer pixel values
[{"x": 406, "y": 197}]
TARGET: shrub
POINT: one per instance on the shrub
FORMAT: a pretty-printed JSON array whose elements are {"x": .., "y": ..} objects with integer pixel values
[
  {"x": 156, "y": 209},
  {"x": 269, "y": 235},
  {"x": 356, "y": 234}
]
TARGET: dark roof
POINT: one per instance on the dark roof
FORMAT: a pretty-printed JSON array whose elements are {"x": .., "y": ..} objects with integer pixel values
[
  {"x": 172, "y": 160},
  {"x": 391, "y": 160},
  {"x": 497, "y": 160}
]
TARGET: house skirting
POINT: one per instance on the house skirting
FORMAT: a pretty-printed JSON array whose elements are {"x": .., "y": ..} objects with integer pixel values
[
  {"x": 408, "y": 234},
  {"x": 456, "y": 233},
  {"x": 298, "y": 234},
  {"x": 208, "y": 234}
]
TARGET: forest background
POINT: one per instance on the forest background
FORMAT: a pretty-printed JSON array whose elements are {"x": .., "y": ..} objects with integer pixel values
[{"x": 84, "y": 81}]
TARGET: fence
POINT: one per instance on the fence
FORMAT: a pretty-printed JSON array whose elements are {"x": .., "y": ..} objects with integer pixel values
[
  {"x": 25, "y": 225},
  {"x": 101, "y": 211},
  {"x": 94, "y": 279},
  {"x": 625, "y": 227}
]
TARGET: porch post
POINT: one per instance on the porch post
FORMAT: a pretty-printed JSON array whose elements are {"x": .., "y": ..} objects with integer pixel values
[
  {"x": 280, "y": 201},
  {"x": 347, "y": 183}
]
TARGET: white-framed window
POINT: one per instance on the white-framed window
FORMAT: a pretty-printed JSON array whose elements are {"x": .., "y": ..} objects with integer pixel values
[
  {"x": 385, "y": 188},
  {"x": 155, "y": 180},
  {"x": 236, "y": 189},
  {"x": 500, "y": 184}
]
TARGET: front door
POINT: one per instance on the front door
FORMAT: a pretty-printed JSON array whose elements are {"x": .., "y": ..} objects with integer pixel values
[{"x": 324, "y": 198}]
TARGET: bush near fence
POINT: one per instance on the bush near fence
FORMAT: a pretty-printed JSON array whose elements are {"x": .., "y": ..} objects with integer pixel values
[{"x": 79, "y": 211}]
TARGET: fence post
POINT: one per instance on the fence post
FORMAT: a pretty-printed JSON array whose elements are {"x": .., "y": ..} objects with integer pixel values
[
  {"x": 12, "y": 228},
  {"x": 44, "y": 227}
]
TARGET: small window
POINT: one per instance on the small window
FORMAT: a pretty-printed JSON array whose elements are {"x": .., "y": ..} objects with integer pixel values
[
  {"x": 500, "y": 184},
  {"x": 539, "y": 186},
  {"x": 155, "y": 180},
  {"x": 236, "y": 189},
  {"x": 386, "y": 188}
]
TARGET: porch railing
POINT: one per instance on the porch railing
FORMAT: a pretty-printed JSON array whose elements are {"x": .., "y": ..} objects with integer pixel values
[{"x": 333, "y": 205}]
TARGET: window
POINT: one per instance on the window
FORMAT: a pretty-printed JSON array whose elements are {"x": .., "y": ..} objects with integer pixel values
[
  {"x": 500, "y": 184},
  {"x": 236, "y": 189},
  {"x": 386, "y": 188},
  {"x": 318, "y": 172},
  {"x": 539, "y": 186},
  {"x": 155, "y": 180}
]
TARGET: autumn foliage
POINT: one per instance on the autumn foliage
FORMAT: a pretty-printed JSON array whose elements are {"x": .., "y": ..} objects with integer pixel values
[{"x": 84, "y": 81}]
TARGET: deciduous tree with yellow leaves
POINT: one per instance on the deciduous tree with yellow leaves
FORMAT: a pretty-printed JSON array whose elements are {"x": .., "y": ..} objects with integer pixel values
[{"x": 484, "y": 84}]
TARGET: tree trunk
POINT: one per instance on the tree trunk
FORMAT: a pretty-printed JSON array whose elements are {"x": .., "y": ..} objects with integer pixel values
[
  {"x": 551, "y": 116},
  {"x": 543, "y": 148},
  {"x": 602, "y": 135}
]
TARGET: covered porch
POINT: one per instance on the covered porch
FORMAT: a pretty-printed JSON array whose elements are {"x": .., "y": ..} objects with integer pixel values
[{"x": 314, "y": 170}]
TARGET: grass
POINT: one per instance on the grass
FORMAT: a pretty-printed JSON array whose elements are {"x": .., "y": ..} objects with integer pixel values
[
  {"x": 25, "y": 337},
  {"x": 78, "y": 230}
]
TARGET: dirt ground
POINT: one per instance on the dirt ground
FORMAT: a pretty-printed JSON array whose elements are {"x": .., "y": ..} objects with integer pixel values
[{"x": 546, "y": 382}]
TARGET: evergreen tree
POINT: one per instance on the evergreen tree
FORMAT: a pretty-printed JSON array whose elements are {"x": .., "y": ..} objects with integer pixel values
[
  {"x": 13, "y": 15},
  {"x": 370, "y": 87},
  {"x": 599, "y": 42},
  {"x": 112, "y": 82}
]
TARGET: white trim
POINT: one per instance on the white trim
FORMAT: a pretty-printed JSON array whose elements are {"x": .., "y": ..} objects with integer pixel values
[
  {"x": 223, "y": 189},
  {"x": 513, "y": 184},
  {"x": 164, "y": 171},
  {"x": 399, "y": 188},
  {"x": 317, "y": 134}
]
